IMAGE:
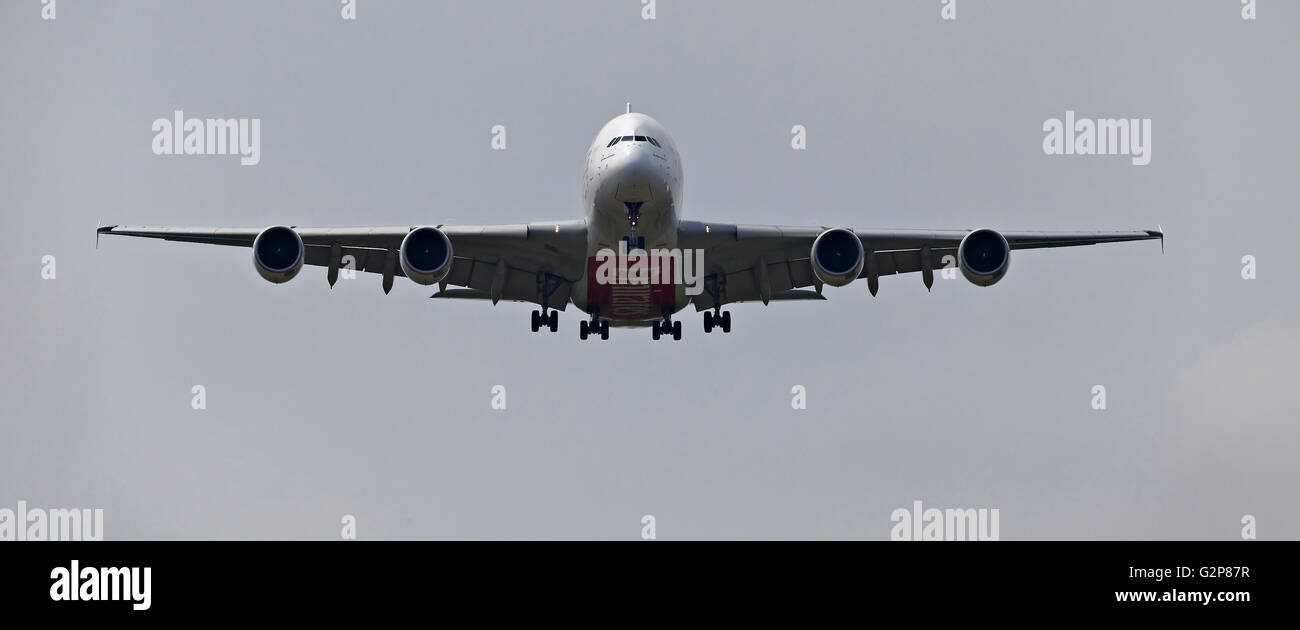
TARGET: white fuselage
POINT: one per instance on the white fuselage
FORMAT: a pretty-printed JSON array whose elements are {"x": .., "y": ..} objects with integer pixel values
[{"x": 639, "y": 177}]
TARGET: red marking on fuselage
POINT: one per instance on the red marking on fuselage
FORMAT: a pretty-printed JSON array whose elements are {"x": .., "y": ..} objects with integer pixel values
[{"x": 622, "y": 299}]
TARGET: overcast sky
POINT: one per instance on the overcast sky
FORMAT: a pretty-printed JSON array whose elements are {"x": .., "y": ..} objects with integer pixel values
[{"x": 326, "y": 402}]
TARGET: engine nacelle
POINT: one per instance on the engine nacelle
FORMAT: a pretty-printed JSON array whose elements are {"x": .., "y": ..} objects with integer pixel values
[
  {"x": 425, "y": 255},
  {"x": 278, "y": 253},
  {"x": 983, "y": 256},
  {"x": 837, "y": 257}
]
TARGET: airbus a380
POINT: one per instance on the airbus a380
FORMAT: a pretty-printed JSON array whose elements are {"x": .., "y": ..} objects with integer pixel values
[{"x": 632, "y": 201}]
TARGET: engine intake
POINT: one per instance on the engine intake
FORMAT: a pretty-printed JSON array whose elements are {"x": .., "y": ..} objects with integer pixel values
[
  {"x": 983, "y": 256},
  {"x": 837, "y": 257},
  {"x": 278, "y": 253},
  {"x": 425, "y": 255}
]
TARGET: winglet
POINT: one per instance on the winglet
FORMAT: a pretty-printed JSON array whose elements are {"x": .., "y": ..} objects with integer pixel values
[
  {"x": 1159, "y": 233},
  {"x": 101, "y": 229}
]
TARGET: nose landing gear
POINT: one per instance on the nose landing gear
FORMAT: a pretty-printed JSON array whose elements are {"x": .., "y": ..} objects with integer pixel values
[{"x": 633, "y": 212}]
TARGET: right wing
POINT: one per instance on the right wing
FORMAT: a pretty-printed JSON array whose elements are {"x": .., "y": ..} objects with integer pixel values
[{"x": 499, "y": 261}]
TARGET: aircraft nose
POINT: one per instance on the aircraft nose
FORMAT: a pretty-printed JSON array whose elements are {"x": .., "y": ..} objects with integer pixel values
[{"x": 637, "y": 171}]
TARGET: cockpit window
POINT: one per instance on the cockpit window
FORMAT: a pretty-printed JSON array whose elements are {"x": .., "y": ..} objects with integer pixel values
[{"x": 618, "y": 139}]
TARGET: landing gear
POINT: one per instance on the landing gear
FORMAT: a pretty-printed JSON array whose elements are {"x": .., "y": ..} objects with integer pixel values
[
  {"x": 664, "y": 328},
  {"x": 633, "y": 215},
  {"x": 667, "y": 327},
  {"x": 546, "y": 286},
  {"x": 633, "y": 212},
  {"x": 720, "y": 320},
  {"x": 716, "y": 286},
  {"x": 546, "y": 319},
  {"x": 593, "y": 327}
]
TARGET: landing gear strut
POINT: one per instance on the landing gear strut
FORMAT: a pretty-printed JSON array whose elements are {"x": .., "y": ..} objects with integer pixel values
[
  {"x": 546, "y": 286},
  {"x": 633, "y": 213},
  {"x": 716, "y": 286},
  {"x": 594, "y": 327}
]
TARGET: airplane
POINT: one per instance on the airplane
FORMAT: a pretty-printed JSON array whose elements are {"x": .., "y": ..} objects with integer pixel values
[{"x": 632, "y": 201}]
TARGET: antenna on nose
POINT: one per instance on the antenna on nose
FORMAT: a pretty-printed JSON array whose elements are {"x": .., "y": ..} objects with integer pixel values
[{"x": 629, "y": 109}]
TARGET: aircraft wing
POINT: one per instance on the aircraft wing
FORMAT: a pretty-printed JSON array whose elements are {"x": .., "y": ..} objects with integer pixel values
[
  {"x": 763, "y": 261},
  {"x": 498, "y": 261}
]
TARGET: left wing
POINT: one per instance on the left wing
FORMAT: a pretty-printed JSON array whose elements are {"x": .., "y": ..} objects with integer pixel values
[
  {"x": 498, "y": 261},
  {"x": 759, "y": 262}
]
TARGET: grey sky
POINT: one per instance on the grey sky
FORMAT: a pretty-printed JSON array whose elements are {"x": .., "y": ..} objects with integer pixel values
[{"x": 329, "y": 402}]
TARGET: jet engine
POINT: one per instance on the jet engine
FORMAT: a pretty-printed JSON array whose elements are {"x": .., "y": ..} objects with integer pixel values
[
  {"x": 983, "y": 256},
  {"x": 425, "y": 255},
  {"x": 837, "y": 257},
  {"x": 278, "y": 253}
]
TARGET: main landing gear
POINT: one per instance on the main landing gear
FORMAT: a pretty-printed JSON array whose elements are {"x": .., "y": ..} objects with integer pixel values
[
  {"x": 544, "y": 319},
  {"x": 593, "y": 327},
  {"x": 667, "y": 326},
  {"x": 721, "y": 320},
  {"x": 547, "y": 318},
  {"x": 716, "y": 286}
]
